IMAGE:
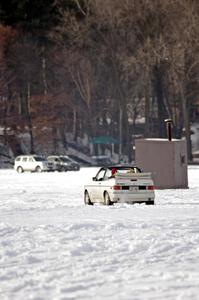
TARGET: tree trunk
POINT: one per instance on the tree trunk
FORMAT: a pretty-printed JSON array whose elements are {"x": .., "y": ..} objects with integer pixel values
[
  {"x": 147, "y": 113},
  {"x": 120, "y": 133},
  {"x": 25, "y": 110},
  {"x": 44, "y": 75},
  {"x": 162, "y": 113},
  {"x": 185, "y": 111}
]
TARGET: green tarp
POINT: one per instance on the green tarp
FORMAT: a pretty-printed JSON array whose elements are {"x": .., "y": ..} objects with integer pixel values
[{"x": 103, "y": 140}]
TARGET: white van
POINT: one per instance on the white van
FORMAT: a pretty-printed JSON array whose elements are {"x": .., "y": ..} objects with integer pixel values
[{"x": 32, "y": 163}]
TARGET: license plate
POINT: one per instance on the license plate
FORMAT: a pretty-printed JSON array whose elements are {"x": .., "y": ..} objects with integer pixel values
[{"x": 133, "y": 188}]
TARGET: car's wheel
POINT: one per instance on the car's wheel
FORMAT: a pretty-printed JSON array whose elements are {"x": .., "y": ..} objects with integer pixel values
[
  {"x": 38, "y": 169},
  {"x": 20, "y": 170},
  {"x": 150, "y": 202},
  {"x": 107, "y": 200},
  {"x": 87, "y": 199}
]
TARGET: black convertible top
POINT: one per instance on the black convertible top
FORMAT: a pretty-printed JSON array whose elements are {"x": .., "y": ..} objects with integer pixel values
[{"x": 123, "y": 167}]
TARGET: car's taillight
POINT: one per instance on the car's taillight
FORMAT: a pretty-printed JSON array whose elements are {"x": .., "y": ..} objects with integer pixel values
[
  {"x": 150, "y": 187},
  {"x": 117, "y": 187}
]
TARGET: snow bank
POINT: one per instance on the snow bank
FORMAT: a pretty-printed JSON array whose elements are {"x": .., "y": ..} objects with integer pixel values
[{"x": 55, "y": 247}]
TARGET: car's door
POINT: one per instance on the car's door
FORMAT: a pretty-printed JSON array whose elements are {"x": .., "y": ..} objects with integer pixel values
[
  {"x": 104, "y": 184},
  {"x": 24, "y": 163},
  {"x": 97, "y": 185},
  {"x": 57, "y": 163},
  {"x": 31, "y": 164}
]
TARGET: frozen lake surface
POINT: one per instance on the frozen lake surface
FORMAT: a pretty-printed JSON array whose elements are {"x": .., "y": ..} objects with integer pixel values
[{"x": 52, "y": 246}]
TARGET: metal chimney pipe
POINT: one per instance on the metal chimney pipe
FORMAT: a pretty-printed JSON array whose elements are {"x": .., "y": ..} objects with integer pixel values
[{"x": 168, "y": 126}]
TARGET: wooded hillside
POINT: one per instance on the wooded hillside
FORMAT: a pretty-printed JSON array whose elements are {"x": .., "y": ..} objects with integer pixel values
[{"x": 97, "y": 68}]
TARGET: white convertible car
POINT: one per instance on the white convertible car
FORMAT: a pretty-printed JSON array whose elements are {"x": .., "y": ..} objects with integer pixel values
[{"x": 120, "y": 184}]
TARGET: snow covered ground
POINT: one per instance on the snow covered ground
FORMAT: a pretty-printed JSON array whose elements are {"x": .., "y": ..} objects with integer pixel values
[{"x": 52, "y": 246}]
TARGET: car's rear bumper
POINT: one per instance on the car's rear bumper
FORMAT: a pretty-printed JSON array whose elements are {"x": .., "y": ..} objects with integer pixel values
[{"x": 125, "y": 197}]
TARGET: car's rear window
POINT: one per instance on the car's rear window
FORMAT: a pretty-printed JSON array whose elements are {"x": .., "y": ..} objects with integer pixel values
[
  {"x": 126, "y": 170},
  {"x": 65, "y": 159}
]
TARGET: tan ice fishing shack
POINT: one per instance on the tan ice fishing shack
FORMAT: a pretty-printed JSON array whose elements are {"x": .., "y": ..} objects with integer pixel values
[{"x": 165, "y": 159}]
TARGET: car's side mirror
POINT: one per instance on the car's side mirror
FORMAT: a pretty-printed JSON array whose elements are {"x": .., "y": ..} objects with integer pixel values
[{"x": 94, "y": 179}]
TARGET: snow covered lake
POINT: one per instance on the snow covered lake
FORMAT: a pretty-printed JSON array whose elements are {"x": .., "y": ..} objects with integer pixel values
[{"x": 53, "y": 247}]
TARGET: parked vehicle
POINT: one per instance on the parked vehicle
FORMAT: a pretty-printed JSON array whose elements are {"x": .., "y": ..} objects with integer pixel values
[
  {"x": 72, "y": 165},
  {"x": 32, "y": 163},
  {"x": 63, "y": 163},
  {"x": 58, "y": 165},
  {"x": 120, "y": 184}
]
